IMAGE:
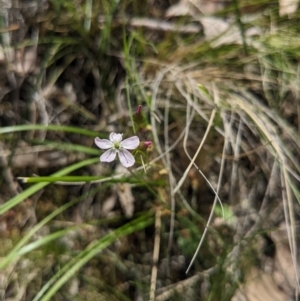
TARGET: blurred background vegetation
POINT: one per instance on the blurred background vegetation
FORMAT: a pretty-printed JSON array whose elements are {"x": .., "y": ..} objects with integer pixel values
[{"x": 210, "y": 211}]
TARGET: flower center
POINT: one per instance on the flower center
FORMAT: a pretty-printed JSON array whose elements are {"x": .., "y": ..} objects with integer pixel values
[{"x": 117, "y": 145}]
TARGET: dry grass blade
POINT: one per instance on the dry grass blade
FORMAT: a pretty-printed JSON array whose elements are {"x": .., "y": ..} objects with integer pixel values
[
  {"x": 155, "y": 254},
  {"x": 242, "y": 115}
]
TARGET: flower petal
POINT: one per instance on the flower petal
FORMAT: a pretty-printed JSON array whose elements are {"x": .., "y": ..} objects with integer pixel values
[
  {"x": 126, "y": 157},
  {"x": 108, "y": 156},
  {"x": 103, "y": 143},
  {"x": 113, "y": 137},
  {"x": 131, "y": 143}
]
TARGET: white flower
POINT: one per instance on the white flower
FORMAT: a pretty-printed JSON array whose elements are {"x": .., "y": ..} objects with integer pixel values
[{"x": 115, "y": 146}]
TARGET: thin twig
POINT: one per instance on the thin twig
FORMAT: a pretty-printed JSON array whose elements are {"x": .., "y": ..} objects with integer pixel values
[
  {"x": 181, "y": 286},
  {"x": 155, "y": 254},
  {"x": 157, "y": 25}
]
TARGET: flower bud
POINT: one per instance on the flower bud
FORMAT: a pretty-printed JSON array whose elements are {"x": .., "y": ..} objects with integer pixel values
[{"x": 147, "y": 144}]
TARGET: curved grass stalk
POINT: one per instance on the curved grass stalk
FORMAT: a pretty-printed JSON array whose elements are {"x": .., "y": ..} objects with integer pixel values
[
  {"x": 216, "y": 200},
  {"x": 165, "y": 155},
  {"x": 192, "y": 163}
]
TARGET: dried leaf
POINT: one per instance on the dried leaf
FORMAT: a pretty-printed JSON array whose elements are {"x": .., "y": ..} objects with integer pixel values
[
  {"x": 26, "y": 60},
  {"x": 287, "y": 7},
  {"x": 259, "y": 286},
  {"x": 109, "y": 204},
  {"x": 126, "y": 198},
  {"x": 223, "y": 32},
  {"x": 182, "y": 8},
  {"x": 195, "y": 8}
]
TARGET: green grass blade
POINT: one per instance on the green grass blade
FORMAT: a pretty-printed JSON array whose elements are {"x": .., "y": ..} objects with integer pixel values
[
  {"x": 77, "y": 179},
  {"x": 54, "y": 179},
  {"x": 32, "y": 127},
  {"x": 12, "y": 255},
  {"x": 33, "y": 189},
  {"x": 43, "y": 241},
  {"x": 69, "y": 147},
  {"x": 68, "y": 271}
]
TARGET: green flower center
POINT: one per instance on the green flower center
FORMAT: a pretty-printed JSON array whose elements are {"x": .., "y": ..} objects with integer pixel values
[{"x": 117, "y": 145}]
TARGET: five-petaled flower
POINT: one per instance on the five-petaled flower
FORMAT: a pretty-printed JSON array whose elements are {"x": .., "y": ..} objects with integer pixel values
[{"x": 115, "y": 145}]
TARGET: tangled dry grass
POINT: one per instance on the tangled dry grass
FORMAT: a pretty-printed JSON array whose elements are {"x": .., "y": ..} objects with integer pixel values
[{"x": 217, "y": 195}]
